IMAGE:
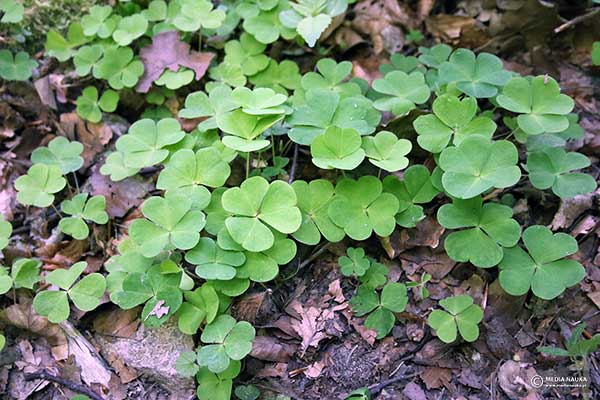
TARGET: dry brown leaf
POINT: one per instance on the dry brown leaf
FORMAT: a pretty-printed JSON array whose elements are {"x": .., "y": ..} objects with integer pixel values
[
  {"x": 246, "y": 308},
  {"x": 315, "y": 369},
  {"x": 268, "y": 348},
  {"x": 93, "y": 137},
  {"x": 167, "y": 51},
  {"x": 435, "y": 377},
  {"x": 117, "y": 322}
]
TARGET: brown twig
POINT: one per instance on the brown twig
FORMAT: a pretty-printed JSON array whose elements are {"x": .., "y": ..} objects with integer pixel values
[
  {"x": 76, "y": 387},
  {"x": 577, "y": 20}
]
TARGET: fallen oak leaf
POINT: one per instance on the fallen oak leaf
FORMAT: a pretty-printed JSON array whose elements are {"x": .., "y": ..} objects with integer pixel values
[{"x": 167, "y": 51}]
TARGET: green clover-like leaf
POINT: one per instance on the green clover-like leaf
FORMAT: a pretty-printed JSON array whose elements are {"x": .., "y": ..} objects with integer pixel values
[
  {"x": 86, "y": 58},
  {"x": 313, "y": 201},
  {"x": 244, "y": 130},
  {"x": 400, "y": 62},
  {"x": 61, "y": 153},
  {"x": 311, "y": 18},
  {"x": 478, "y": 164},
  {"x": 337, "y": 148},
  {"x": 543, "y": 268},
  {"x": 114, "y": 166},
  {"x": 394, "y": 299},
  {"x": 360, "y": 207},
  {"x": 129, "y": 29},
  {"x": 98, "y": 22},
  {"x": 13, "y": 13},
  {"x": 278, "y": 76},
  {"x": 550, "y": 168},
  {"x": 452, "y": 121},
  {"x": 63, "y": 48},
  {"x": 145, "y": 142},
  {"x": 186, "y": 364},
  {"x": 90, "y": 108},
  {"x": 198, "y": 104},
  {"x": 19, "y": 68},
  {"x": 170, "y": 221},
  {"x": 118, "y": 67},
  {"x": 174, "y": 80},
  {"x": 260, "y": 101},
  {"x": 324, "y": 109},
  {"x": 477, "y": 76},
  {"x": 265, "y": 25},
  {"x": 227, "y": 340},
  {"x": 5, "y": 232},
  {"x": 200, "y": 305},
  {"x": 191, "y": 15},
  {"x": 541, "y": 106},
  {"x": 355, "y": 263},
  {"x": 213, "y": 386},
  {"x": 415, "y": 188},
  {"x": 256, "y": 203},
  {"x": 401, "y": 92},
  {"x": 386, "y": 151},
  {"x": 212, "y": 262},
  {"x": 25, "y": 273},
  {"x": 81, "y": 209},
  {"x": 491, "y": 229},
  {"x": 37, "y": 188},
  {"x": 461, "y": 314},
  {"x": 247, "y": 53},
  {"x": 331, "y": 76}
]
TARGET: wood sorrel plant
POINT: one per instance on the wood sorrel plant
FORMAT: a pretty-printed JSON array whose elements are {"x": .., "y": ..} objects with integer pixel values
[{"x": 207, "y": 236}]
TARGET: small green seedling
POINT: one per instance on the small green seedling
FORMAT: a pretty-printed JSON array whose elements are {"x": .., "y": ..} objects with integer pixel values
[
  {"x": 85, "y": 294},
  {"x": 386, "y": 151},
  {"x": 247, "y": 392},
  {"x": 538, "y": 100},
  {"x": 420, "y": 286},
  {"x": 257, "y": 205},
  {"x": 401, "y": 92},
  {"x": 381, "y": 309},
  {"x": 38, "y": 187},
  {"x": 460, "y": 314},
  {"x": 90, "y": 108},
  {"x": 171, "y": 221},
  {"x": 490, "y": 229},
  {"x": 550, "y": 168},
  {"x": 576, "y": 348},
  {"x": 61, "y": 153},
  {"x": 225, "y": 341},
  {"x": 415, "y": 188},
  {"x": 360, "y": 207},
  {"x": 17, "y": 68},
  {"x": 355, "y": 263},
  {"x": 477, "y": 165},
  {"x": 81, "y": 209},
  {"x": 359, "y": 394},
  {"x": 477, "y": 76},
  {"x": 543, "y": 268},
  {"x": 452, "y": 121}
]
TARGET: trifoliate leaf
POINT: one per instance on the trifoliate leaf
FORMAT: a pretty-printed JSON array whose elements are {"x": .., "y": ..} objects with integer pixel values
[
  {"x": 19, "y": 68},
  {"x": 477, "y": 76},
  {"x": 313, "y": 201},
  {"x": 170, "y": 221},
  {"x": 279, "y": 77},
  {"x": 452, "y": 121},
  {"x": 61, "y": 153},
  {"x": 248, "y": 53},
  {"x": 337, "y": 148},
  {"x": 550, "y": 168},
  {"x": 118, "y": 67},
  {"x": 212, "y": 262},
  {"x": 186, "y": 364},
  {"x": 491, "y": 229},
  {"x": 25, "y": 273},
  {"x": 89, "y": 107},
  {"x": 355, "y": 264},
  {"x": 129, "y": 29},
  {"x": 86, "y": 58},
  {"x": 478, "y": 164},
  {"x": 401, "y": 92},
  {"x": 539, "y": 101},
  {"x": 63, "y": 49},
  {"x": 200, "y": 305},
  {"x": 145, "y": 142},
  {"x": 461, "y": 314},
  {"x": 13, "y": 13},
  {"x": 114, "y": 166},
  {"x": 324, "y": 109},
  {"x": 331, "y": 76},
  {"x": 256, "y": 203},
  {"x": 360, "y": 207},
  {"x": 415, "y": 188},
  {"x": 386, "y": 151},
  {"x": 98, "y": 22},
  {"x": 244, "y": 130},
  {"x": 191, "y": 15},
  {"x": 37, "y": 188},
  {"x": 543, "y": 267}
]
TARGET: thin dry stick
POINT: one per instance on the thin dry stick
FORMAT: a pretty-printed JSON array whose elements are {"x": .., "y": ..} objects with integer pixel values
[
  {"x": 577, "y": 20},
  {"x": 76, "y": 387}
]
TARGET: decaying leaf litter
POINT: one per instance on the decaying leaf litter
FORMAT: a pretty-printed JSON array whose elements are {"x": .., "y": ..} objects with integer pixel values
[{"x": 309, "y": 343}]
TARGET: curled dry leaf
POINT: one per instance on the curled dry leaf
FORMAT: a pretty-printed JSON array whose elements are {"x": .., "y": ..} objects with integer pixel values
[{"x": 167, "y": 51}]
